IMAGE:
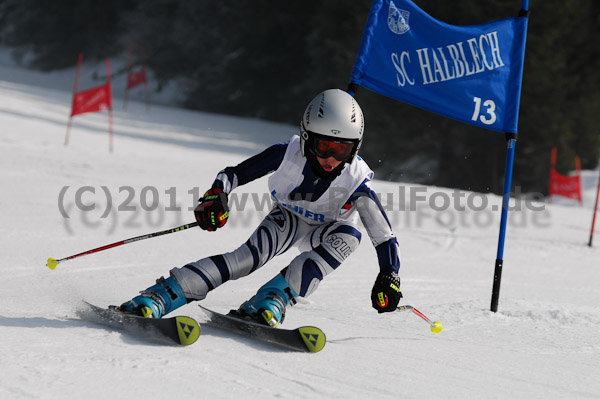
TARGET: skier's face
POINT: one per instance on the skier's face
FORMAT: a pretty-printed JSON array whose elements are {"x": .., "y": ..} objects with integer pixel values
[{"x": 328, "y": 164}]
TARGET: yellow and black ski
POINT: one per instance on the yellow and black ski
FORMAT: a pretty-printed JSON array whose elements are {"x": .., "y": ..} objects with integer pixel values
[
  {"x": 180, "y": 330},
  {"x": 304, "y": 339}
]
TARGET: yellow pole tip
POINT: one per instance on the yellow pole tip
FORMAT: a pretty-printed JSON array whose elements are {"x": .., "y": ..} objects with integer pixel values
[
  {"x": 436, "y": 327},
  {"x": 52, "y": 263}
]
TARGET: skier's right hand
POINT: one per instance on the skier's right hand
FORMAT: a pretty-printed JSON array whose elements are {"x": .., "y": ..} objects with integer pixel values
[{"x": 213, "y": 211}]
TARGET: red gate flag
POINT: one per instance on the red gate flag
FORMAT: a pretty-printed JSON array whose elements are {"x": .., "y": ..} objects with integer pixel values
[
  {"x": 565, "y": 186},
  {"x": 595, "y": 211},
  {"x": 136, "y": 78},
  {"x": 92, "y": 100}
]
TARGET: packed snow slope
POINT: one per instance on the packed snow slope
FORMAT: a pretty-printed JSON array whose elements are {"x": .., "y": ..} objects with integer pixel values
[{"x": 57, "y": 201}]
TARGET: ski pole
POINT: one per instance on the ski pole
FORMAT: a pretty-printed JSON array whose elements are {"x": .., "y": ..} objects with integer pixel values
[
  {"x": 52, "y": 263},
  {"x": 435, "y": 326}
]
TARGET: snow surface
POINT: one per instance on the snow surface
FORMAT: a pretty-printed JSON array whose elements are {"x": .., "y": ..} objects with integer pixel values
[{"x": 543, "y": 342}]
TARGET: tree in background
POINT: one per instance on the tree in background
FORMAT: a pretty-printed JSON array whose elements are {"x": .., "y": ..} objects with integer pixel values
[{"x": 54, "y": 32}]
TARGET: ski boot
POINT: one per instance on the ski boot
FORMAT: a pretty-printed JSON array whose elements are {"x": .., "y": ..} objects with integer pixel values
[
  {"x": 157, "y": 300},
  {"x": 269, "y": 304}
]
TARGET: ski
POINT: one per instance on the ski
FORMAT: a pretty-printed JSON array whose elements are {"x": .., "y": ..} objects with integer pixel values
[
  {"x": 180, "y": 330},
  {"x": 304, "y": 339}
]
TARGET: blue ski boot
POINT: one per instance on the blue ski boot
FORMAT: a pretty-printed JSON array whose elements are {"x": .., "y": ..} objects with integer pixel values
[
  {"x": 269, "y": 304},
  {"x": 157, "y": 300}
]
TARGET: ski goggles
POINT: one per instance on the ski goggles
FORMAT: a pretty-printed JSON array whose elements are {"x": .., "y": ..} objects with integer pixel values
[{"x": 340, "y": 150}]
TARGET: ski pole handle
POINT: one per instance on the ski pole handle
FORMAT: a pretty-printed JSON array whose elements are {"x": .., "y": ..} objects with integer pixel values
[
  {"x": 435, "y": 326},
  {"x": 52, "y": 263}
]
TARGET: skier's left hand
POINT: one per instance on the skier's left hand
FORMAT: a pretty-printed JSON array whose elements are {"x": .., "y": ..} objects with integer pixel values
[
  {"x": 213, "y": 211},
  {"x": 386, "y": 292}
]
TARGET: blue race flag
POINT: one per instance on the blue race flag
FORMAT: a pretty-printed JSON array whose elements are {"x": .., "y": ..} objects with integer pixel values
[{"x": 469, "y": 73}]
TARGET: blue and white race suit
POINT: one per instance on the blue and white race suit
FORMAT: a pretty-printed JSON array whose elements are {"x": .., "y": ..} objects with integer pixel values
[{"x": 318, "y": 216}]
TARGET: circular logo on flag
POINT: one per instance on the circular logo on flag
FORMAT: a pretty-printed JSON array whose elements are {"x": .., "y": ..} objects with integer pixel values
[{"x": 398, "y": 19}]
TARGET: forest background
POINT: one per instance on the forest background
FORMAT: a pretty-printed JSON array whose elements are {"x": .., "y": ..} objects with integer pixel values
[{"x": 267, "y": 59}]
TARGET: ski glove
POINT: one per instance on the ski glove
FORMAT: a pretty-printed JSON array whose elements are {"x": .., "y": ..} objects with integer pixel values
[
  {"x": 212, "y": 212},
  {"x": 386, "y": 292}
]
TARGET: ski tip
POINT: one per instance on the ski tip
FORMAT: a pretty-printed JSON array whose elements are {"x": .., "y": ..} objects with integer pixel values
[
  {"x": 313, "y": 337},
  {"x": 188, "y": 330},
  {"x": 205, "y": 310}
]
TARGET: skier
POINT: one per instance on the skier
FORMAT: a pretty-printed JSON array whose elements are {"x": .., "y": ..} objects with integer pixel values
[{"x": 319, "y": 186}]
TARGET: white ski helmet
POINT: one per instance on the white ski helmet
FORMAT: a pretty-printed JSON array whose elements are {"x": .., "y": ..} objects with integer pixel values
[{"x": 335, "y": 116}]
